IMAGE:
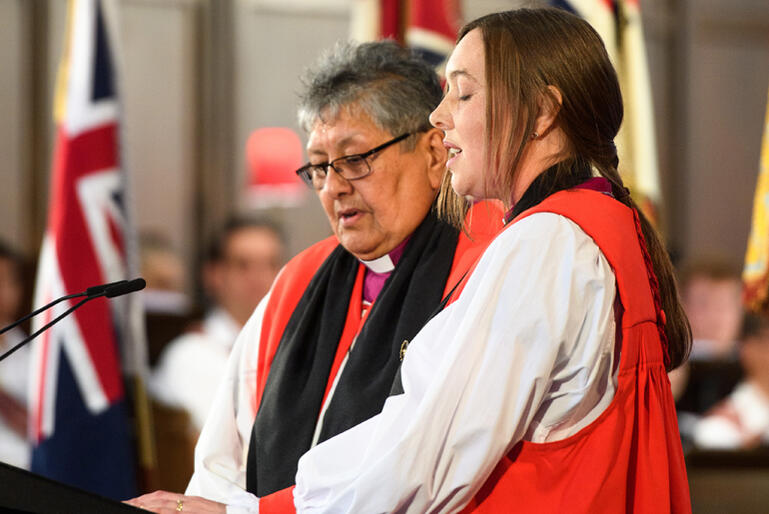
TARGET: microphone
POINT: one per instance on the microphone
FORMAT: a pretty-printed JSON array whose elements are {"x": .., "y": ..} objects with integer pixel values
[
  {"x": 109, "y": 290},
  {"x": 98, "y": 290},
  {"x": 93, "y": 291},
  {"x": 124, "y": 287}
]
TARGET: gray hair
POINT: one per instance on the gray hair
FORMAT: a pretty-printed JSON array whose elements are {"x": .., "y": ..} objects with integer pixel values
[{"x": 391, "y": 84}]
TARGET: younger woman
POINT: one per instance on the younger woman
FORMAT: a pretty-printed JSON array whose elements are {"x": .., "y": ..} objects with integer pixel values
[{"x": 543, "y": 386}]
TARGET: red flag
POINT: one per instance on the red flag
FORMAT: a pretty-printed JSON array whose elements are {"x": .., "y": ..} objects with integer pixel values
[
  {"x": 432, "y": 28},
  {"x": 428, "y": 26}
]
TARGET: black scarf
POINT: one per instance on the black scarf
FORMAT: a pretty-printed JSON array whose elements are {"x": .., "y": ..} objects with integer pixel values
[
  {"x": 293, "y": 394},
  {"x": 549, "y": 182}
]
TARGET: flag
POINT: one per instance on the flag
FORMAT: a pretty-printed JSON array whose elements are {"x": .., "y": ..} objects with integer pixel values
[
  {"x": 601, "y": 14},
  {"x": 432, "y": 29},
  {"x": 79, "y": 417},
  {"x": 427, "y": 26},
  {"x": 619, "y": 24},
  {"x": 755, "y": 276}
]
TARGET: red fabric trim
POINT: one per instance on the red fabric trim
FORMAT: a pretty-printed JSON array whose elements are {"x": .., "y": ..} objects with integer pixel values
[
  {"x": 599, "y": 216},
  {"x": 352, "y": 327},
  {"x": 285, "y": 295},
  {"x": 483, "y": 223},
  {"x": 279, "y": 502}
]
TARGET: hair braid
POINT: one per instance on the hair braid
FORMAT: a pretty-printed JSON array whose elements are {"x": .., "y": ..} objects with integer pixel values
[{"x": 671, "y": 319}]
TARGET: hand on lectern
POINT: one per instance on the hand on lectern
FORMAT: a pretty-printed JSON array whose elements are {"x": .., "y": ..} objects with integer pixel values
[{"x": 164, "y": 502}]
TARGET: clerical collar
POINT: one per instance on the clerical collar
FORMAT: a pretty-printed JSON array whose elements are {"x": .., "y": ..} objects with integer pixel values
[
  {"x": 387, "y": 262},
  {"x": 379, "y": 270},
  {"x": 383, "y": 264},
  {"x": 551, "y": 181}
]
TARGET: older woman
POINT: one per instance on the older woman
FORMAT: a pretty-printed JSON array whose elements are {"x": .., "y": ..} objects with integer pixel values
[{"x": 542, "y": 387}]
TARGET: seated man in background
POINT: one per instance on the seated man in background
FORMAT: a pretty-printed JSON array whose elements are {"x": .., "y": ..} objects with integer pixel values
[
  {"x": 741, "y": 420},
  {"x": 320, "y": 353},
  {"x": 711, "y": 293},
  {"x": 14, "y": 447},
  {"x": 242, "y": 262}
]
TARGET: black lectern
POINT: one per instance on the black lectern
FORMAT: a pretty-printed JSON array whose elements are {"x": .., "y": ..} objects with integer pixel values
[{"x": 26, "y": 492}]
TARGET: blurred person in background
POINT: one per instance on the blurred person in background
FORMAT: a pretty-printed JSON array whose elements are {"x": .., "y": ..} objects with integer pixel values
[
  {"x": 165, "y": 272},
  {"x": 741, "y": 420},
  {"x": 242, "y": 262},
  {"x": 14, "y": 448},
  {"x": 712, "y": 297},
  {"x": 711, "y": 292}
]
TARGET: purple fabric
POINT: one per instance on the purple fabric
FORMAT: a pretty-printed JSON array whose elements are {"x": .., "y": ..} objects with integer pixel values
[
  {"x": 599, "y": 184},
  {"x": 374, "y": 282}
]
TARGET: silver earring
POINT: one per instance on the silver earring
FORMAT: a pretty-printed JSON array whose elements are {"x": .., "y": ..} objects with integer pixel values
[{"x": 534, "y": 135}]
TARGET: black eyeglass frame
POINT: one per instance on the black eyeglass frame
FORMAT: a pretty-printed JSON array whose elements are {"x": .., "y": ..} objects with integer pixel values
[{"x": 306, "y": 176}]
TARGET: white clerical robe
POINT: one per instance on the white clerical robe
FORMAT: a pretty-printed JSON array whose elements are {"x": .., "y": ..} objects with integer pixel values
[{"x": 526, "y": 352}]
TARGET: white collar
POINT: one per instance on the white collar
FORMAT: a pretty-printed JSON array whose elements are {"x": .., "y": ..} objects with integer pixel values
[{"x": 383, "y": 264}]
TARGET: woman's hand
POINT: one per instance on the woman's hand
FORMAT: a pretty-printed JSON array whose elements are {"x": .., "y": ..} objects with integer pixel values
[{"x": 164, "y": 502}]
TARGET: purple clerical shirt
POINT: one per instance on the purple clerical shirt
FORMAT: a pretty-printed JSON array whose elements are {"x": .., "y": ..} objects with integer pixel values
[{"x": 378, "y": 270}]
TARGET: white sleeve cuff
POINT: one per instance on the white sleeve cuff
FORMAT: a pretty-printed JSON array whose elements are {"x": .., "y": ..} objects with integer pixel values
[{"x": 244, "y": 504}]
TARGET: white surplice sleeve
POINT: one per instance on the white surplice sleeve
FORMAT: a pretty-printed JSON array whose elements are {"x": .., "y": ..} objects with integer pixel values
[
  {"x": 221, "y": 452},
  {"x": 526, "y": 352}
]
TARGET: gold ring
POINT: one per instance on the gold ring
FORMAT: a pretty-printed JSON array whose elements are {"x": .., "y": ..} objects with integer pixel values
[{"x": 179, "y": 505}]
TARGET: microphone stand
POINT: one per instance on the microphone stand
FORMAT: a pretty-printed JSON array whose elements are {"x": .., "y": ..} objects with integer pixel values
[
  {"x": 48, "y": 325},
  {"x": 110, "y": 290},
  {"x": 38, "y": 311},
  {"x": 92, "y": 292}
]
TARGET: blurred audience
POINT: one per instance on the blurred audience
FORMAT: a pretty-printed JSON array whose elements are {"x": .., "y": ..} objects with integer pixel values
[
  {"x": 164, "y": 270},
  {"x": 741, "y": 420},
  {"x": 711, "y": 291},
  {"x": 240, "y": 267},
  {"x": 712, "y": 296},
  {"x": 14, "y": 448}
]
